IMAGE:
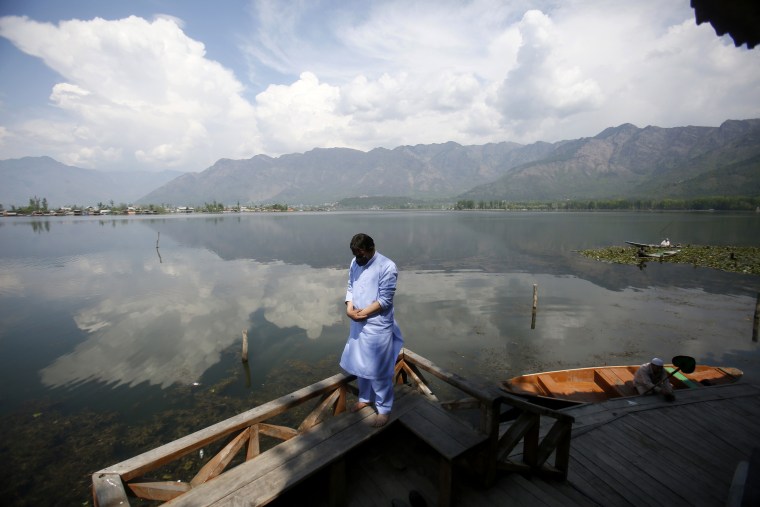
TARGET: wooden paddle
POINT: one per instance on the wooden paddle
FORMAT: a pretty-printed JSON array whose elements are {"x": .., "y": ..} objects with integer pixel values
[{"x": 685, "y": 364}]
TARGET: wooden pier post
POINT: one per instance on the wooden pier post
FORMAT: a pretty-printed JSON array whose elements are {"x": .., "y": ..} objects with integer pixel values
[
  {"x": 756, "y": 322},
  {"x": 160, "y": 261},
  {"x": 535, "y": 307},
  {"x": 245, "y": 346}
]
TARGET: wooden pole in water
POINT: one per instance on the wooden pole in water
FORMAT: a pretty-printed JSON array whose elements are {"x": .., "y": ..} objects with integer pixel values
[
  {"x": 245, "y": 346},
  {"x": 535, "y": 307},
  {"x": 756, "y": 322}
]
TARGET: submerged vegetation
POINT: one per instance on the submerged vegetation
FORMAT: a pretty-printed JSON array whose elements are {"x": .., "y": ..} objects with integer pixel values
[
  {"x": 735, "y": 259},
  {"x": 52, "y": 452}
]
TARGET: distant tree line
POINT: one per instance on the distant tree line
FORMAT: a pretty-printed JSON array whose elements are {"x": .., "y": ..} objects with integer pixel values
[
  {"x": 697, "y": 203},
  {"x": 35, "y": 205}
]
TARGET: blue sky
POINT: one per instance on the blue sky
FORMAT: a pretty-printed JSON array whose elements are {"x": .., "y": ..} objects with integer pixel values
[{"x": 179, "y": 84}]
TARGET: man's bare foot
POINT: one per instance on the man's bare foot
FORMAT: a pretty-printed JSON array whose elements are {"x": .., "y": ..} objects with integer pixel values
[
  {"x": 358, "y": 406},
  {"x": 380, "y": 420}
]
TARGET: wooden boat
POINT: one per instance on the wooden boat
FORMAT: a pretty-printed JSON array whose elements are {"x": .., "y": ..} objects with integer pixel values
[
  {"x": 651, "y": 245},
  {"x": 658, "y": 255},
  {"x": 596, "y": 384}
]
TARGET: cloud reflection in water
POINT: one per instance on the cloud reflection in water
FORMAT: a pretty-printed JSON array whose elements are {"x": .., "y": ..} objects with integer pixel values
[{"x": 170, "y": 323}]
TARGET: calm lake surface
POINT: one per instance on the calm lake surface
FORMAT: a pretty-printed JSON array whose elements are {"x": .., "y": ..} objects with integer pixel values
[{"x": 112, "y": 346}]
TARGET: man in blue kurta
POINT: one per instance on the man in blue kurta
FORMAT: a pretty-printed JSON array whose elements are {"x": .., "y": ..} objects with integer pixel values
[{"x": 374, "y": 339}]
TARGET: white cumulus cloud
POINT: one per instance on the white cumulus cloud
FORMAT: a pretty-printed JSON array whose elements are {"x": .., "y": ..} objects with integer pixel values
[{"x": 140, "y": 92}]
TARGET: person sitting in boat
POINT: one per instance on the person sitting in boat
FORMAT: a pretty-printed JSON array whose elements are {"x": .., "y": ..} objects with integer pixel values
[{"x": 651, "y": 378}]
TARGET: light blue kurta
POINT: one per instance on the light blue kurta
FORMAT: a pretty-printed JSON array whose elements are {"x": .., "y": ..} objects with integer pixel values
[{"x": 373, "y": 344}]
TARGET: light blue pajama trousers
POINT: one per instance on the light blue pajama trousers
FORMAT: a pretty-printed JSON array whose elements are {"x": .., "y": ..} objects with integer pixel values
[{"x": 377, "y": 392}]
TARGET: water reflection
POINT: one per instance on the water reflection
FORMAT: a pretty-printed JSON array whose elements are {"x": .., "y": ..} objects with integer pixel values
[
  {"x": 464, "y": 298},
  {"x": 169, "y": 323}
]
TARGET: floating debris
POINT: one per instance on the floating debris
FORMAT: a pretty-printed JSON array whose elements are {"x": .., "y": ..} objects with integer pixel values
[{"x": 734, "y": 259}]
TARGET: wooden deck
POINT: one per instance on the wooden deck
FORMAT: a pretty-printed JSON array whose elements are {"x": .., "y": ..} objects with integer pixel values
[
  {"x": 639, "y": 451},
  {"x": 626, "y": 451},
  {"x": 239, "y": 471}
]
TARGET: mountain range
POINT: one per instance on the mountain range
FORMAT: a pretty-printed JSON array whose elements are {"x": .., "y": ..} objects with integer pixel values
[
  {"x": 619, "y": 162},
  {"x": 46, "y": 178}
]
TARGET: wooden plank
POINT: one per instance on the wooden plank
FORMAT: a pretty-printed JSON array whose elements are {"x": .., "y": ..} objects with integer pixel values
[
  {"x": 150, "y": 460},
  {"x": 565, "y": 491},
  {"x": 523, "y": 494},
  {"x": 163, "y": 491},
  {"x": 585, "y": 479},
  {"x": 218, "y": 463},
  {"x": 610, "y": 382},
  {"x": 600, "y": 476},
  {"x": 743, "y": 423},
  {"x": 516, "y": 432},
  {"x": 446, "y": 433},
  {"x": 450, "y": 378},
  {"x": 276, "y": 431},
  {"x": 461, "y": 404},
  {"x": 108, "y": 490},
  {"x": 550, "y": 386},
  {"x": 647, "y": 454},
  {"x": 234, "y": 479},
  {"x": 263, "y": 489},
  {"x": 263, "y": 478},
  {"x": 559, "y": 432},
  {"x": 682, "y": 441},
  {"x": 546, "y": 493},
  {"x": 421, "y": 386},
  {"x": 530, "y": 445},
  {"x": 650, "y": 471},
  {"x": 320, "y": 412},
  {"x": 727, "y": 441},
  {"x": 254, "y": 444},
  {"x": 517, "y": 402},
  {"x": 595, "y": 458},
  {"x": 671, "y": 467},
  {"x": 589, "y": 416}
]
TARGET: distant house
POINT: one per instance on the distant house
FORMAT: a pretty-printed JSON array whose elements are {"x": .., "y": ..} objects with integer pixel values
[{"x": 185, "y": 209}]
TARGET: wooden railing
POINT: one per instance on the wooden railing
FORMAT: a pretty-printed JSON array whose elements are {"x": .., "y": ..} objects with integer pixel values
[
  {"x": 115, "y": 484},
  {"x": 112, "y": 485},
  {"x": 525, "y": 428}
]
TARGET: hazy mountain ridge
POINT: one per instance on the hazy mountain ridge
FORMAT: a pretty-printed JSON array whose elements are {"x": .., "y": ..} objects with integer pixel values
[
  {"x": 329, "y": 174},
  {"x": 619, "y": 162},
  {"x": 62, "y": 185},
  {"x": 628, "y": 162}
]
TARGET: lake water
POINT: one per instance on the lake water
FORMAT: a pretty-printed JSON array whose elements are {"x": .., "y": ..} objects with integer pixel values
[{"x": 119, "y": 334}]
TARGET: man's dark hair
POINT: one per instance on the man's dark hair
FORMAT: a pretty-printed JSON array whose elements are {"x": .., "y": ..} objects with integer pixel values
[{"x": 362, "y": 241}]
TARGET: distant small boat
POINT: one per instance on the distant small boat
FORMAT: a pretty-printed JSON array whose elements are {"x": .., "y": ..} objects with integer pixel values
[
  {"x": 652, "y": 245},
  {"x": 596, "y": 384}
]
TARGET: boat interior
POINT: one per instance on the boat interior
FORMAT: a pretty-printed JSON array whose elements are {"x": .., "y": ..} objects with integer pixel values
[{"x": 591, "y": 385}]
